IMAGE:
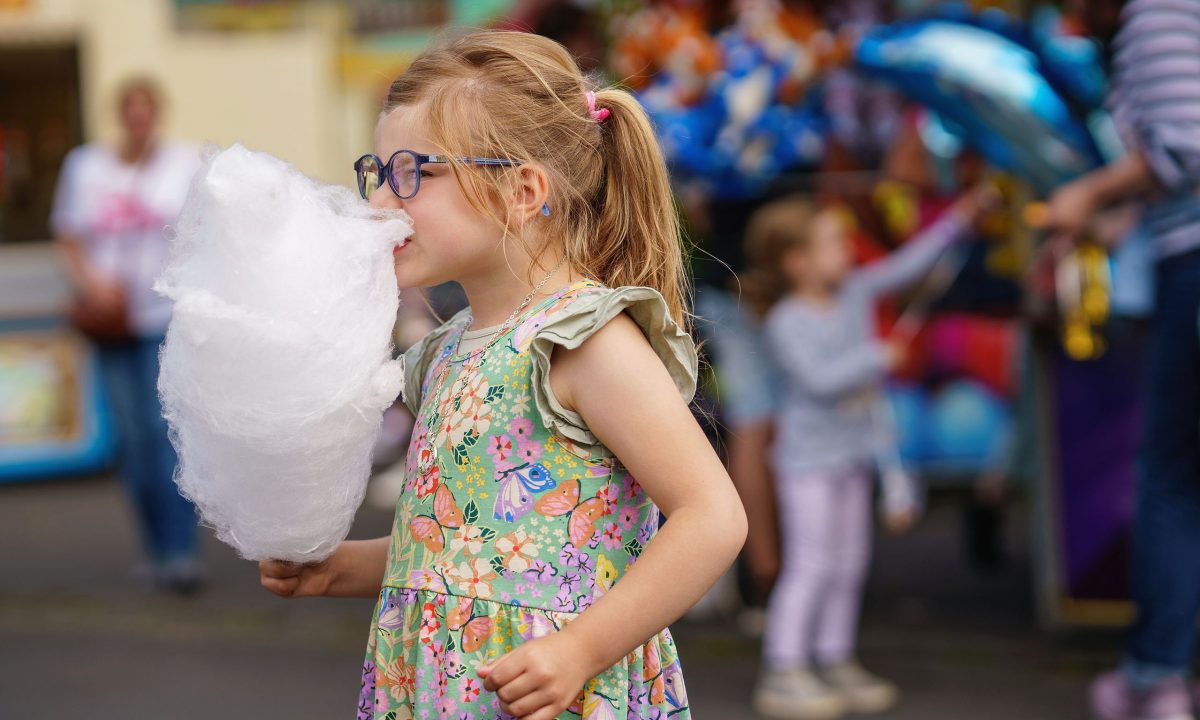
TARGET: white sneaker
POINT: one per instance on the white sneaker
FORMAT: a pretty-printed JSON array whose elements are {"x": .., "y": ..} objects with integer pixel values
[
  {"x": 796, "y": 695},
  {"x": 861, "y": 691}
]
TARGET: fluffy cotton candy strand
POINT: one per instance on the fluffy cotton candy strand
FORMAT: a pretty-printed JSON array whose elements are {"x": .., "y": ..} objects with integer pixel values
[{"x": 277, "y": 365}]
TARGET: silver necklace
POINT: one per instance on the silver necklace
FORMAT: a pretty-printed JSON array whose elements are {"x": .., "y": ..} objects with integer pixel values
[
  {"x": 427, "y": 462},
  {"x": 513, "y": 315}
]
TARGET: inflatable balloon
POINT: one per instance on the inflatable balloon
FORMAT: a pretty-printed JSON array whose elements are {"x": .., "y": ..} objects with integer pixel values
[
  {"x": 990, "y": 89},
  {"x": 968, "y": 426}
]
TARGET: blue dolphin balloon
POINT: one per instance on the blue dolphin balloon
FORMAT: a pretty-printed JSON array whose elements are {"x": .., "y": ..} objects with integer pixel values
[{"x": 988, "y": 82}]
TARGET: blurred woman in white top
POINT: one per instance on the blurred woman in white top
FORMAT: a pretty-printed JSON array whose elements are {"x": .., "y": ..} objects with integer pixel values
[{"x": 111, "y": 210}]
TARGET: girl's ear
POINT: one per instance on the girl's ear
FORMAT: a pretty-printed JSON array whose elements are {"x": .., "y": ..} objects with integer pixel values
[{"x": 530, "y": 194}]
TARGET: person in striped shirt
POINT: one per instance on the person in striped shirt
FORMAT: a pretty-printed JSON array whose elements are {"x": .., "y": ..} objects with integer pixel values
[{"x": 1156, "y": 102}]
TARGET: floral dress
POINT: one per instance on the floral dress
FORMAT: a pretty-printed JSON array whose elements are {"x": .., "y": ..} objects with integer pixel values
[{"x": 514, "y": 519}]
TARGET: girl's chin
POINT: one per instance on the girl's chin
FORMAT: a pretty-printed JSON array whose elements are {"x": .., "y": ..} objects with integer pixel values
[
  {"x": 413, "y": 272},
  {"x": 407, "y": 279},
  {"x": 404, "y": 282}
]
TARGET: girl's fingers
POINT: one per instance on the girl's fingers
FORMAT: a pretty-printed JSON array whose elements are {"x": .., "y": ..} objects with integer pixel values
[
  {"x": 489, "y": 679},
  {"x": 279, "y": 569},
  {"x": 502, "y": 672},
  {"x": 279, "y": 587},
  {"x": 530, "y": 704},
  {"x": 285, "y": 587},
  {"x": 517, "y": 691},
  {"x": 545, "y": 713}
]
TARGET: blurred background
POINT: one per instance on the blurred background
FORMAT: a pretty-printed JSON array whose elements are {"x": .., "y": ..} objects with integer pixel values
[{"x": 1016, "y": 406}]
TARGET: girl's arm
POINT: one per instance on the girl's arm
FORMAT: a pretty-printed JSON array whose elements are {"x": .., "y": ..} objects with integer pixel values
[
  {"x": 620, "y": 387},
  {"x": 908, "y": 264},
  {"x": 355, "y": 569}
]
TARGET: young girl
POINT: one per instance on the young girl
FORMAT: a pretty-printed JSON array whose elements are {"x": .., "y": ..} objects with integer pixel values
[
  {"x": 524, "y": 576},
  {"x": 827, "y": 434}
]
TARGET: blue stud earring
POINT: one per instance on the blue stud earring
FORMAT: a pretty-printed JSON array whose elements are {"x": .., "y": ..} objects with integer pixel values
[{"x": 546, "y": 209}]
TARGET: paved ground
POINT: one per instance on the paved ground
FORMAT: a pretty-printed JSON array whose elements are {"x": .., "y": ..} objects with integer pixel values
[{"x": 79, "y": 639}]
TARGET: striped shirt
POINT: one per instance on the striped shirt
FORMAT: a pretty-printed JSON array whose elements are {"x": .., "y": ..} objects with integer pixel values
[{"x": 1156, "y": 102}]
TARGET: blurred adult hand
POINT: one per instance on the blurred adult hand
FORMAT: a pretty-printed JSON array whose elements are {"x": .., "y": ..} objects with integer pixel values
[
  {"x": 100, "y": 310},
  {"x": 1070, "y": 211},
  {"x": 1073, "y": 209}
]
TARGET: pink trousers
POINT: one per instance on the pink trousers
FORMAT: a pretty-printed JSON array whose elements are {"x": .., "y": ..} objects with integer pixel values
[{"x": 825, "y": 522}]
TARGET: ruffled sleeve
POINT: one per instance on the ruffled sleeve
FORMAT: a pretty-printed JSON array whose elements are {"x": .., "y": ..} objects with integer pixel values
[
  {"x": 578, "y": 321},
  {"x": 418, "y": 358}
]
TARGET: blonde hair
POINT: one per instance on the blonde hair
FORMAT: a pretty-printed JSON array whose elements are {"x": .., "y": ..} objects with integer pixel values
[
  {"x": 521, "y": 97},
  {"x": 775, "y": 229}
]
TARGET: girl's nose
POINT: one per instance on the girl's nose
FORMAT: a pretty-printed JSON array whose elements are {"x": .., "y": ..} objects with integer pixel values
[{"x": 385, "y": 199}]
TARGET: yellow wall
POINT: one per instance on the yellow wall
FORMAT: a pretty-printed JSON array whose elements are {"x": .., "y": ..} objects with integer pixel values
[{"x": 277, "y": 91}]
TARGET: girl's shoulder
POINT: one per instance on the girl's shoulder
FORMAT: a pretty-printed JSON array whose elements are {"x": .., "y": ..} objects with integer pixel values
[
  {"x": 586, "y": 307},
  {"x": 581, "y": 314}
]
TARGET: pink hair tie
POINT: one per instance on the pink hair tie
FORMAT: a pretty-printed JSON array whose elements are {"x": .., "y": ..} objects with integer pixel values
[{"x": 598, "y": 115}]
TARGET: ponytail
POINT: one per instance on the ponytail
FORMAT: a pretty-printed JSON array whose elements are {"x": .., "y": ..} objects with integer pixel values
[{"x": 637, "y": 239}]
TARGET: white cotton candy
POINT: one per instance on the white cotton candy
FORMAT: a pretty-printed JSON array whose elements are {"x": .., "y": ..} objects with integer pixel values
[{"x": 277, "y": 365}]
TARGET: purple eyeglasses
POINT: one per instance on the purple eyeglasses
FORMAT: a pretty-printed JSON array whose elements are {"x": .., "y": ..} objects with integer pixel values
[{"x": 403, "y": 171}]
